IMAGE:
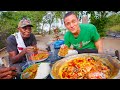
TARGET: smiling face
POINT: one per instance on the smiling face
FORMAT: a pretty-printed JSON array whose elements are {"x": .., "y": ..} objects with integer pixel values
[
  {"x": 25, "y": 31},
  {"x": 72, "y": 23}
]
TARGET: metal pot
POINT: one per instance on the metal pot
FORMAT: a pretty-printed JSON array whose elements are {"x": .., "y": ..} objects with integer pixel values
[{"x": 112, "y": 63}]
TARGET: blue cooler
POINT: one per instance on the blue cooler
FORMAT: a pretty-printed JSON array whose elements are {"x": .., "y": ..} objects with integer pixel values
[{"x": 58, "y": 43}]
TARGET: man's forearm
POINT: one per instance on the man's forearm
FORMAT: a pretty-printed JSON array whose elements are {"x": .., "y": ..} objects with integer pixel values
[
  {"x": 18, "y": 57},
  {"x": 99, "y": 45},
  {"x": 100, "y": 50}
]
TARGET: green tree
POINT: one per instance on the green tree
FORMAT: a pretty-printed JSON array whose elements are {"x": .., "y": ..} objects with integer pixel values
[
  {"x": 9, "y": 22},
  {"x": 99, "y": 19},
  {"x": 113, "y": 23}
]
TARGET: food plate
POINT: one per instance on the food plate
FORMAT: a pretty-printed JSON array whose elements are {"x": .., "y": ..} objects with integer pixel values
[
  {"x": 39, "y": 60},
  {"x": 60, "y": 55},
  {"x": 36, "y": 71},
  {"x": 40, "y": 56},
  {"x": 31, "y": 70},
  {"x": 63, "y": 51},
  {"x": 103, "y": 61}
]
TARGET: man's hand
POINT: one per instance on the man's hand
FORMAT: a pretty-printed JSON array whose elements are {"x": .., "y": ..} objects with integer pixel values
[
  {"x": 31, "y": 49},
  {"x": 7, "y": 72},
  {"x": 63, "y": 46}
]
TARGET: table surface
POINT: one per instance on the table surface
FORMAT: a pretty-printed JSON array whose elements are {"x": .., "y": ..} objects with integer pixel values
[{"x": 53, "y": 57}]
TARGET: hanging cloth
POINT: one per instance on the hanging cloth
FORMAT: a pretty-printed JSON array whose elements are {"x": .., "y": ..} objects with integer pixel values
[{"x": 20, "y": 42}]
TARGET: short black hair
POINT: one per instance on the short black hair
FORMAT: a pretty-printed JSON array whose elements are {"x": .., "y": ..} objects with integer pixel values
[{"x": 70, "y": 13}]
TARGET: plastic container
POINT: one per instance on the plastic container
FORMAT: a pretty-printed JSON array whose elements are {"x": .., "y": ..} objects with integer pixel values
[{"x": 58, "y": 43}]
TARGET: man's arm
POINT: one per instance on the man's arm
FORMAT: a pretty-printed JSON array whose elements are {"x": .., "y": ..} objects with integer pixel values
[
  {"x": 14, "y": 57},
  {"x": 11, "y": 48},
  {"x": 99, "y": 45}
]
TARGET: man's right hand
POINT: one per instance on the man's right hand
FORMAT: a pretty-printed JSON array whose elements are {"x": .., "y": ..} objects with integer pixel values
[
  {"x": 63, "y": 46},
  {"x": 7, "y": 72},
  {"x": 31, "y": 49}
]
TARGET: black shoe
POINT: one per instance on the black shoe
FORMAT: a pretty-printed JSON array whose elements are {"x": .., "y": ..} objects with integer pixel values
[
  {"x": 117, "y": 54},
  {"x": 48, "y": 48}
]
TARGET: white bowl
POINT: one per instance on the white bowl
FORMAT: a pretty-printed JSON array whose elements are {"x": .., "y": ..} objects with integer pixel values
[{"x": 71, "y": 52}]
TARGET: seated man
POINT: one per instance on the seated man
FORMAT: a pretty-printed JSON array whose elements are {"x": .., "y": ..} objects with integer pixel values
[
  {"x": 55, "y": 37},
  {"x": 56, "y": 34},
  {"x": 20, "y": 43}
]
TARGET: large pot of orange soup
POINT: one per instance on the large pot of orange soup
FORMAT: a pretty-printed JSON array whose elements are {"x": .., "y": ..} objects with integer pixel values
[{"x": 86, "y": 66}]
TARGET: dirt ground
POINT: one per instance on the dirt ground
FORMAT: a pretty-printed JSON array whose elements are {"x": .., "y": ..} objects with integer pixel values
[
  {"x": 109, "y": 44},
  {"x": 43, "y": 41}
]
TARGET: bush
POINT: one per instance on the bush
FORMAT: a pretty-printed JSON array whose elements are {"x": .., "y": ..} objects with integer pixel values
[{"x": 3, "y": 37}]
